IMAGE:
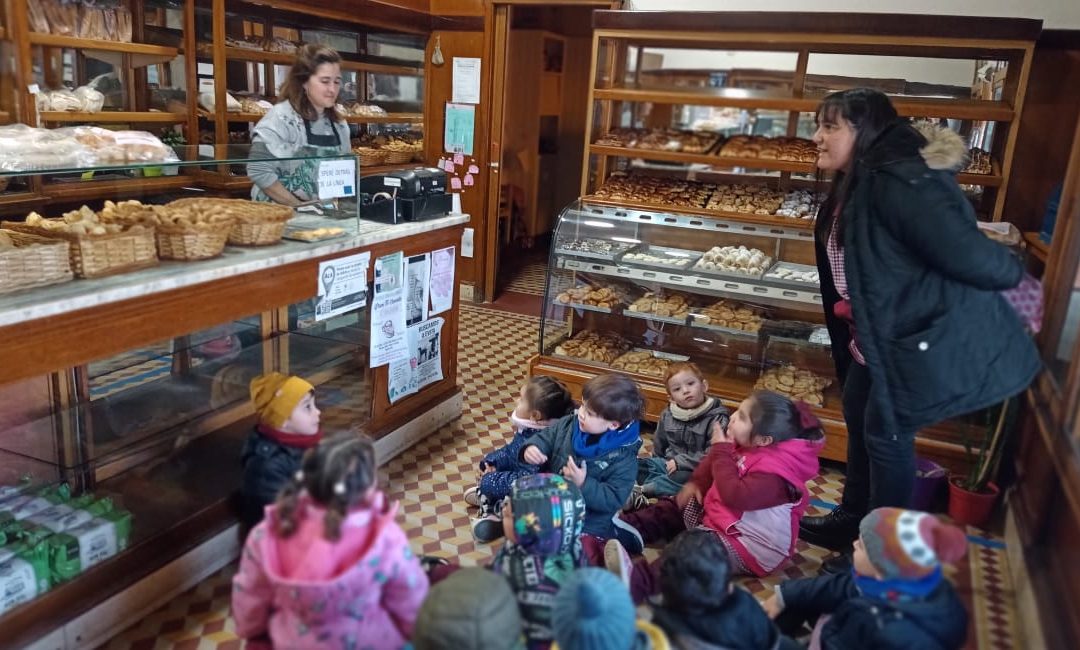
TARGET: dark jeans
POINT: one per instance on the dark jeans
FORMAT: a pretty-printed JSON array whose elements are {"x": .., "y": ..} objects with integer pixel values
[{"x": 880, "y": 464}]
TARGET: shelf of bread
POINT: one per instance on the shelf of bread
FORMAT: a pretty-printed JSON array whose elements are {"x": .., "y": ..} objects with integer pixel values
[
  {"x": 389, "y": 118},
  {"x": 142, "y": 53},
  {"x": 908, "y": 106},
  {"x": 121, "y": 188},
  {"x": 112, "y": 117},
  {"x": 716, "y": 221},
  {"x": 285, "y": 58},
  {"x": 712, "y": 160}
]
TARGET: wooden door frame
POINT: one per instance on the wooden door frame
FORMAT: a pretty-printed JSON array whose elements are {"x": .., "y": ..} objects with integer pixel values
[{"x": 496, "y": 47}]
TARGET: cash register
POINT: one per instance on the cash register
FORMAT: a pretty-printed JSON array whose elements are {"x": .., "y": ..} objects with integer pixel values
[{"x": 404, "y": 195}]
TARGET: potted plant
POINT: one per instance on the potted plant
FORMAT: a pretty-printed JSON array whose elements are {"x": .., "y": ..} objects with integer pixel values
[{"x": 972, "y": 496}]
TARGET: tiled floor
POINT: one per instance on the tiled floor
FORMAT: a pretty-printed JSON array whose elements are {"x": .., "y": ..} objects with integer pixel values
[{"x": 493, "y": 351}]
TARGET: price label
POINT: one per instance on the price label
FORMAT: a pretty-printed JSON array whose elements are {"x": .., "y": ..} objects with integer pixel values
[{"x": 337, "y": 178}]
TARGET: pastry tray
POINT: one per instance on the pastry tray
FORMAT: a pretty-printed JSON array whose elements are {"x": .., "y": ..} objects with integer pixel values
[
  {"x": 723, "y": 275},
  {"x": 583, "y": 306},
  {"x": 644, "y": 315},
  {"x": 290, "y": 233},
  {"x": 724, "y": 330},
  {"x": 617, "y": 249},
  {"x": 691, "y": 258},
  {"x": 790, "y": 266}
]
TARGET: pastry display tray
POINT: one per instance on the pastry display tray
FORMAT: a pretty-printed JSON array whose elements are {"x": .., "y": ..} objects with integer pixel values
[
  {"x": 687, "y": 257},
  {"x": 577, "y": 248},
  {"x": 294, "y": 234},
  {"x": 771, "y": 276},
  {"x": 644, "y": 315}
]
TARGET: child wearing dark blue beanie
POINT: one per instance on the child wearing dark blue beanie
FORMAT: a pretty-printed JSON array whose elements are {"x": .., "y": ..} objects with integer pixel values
[{"x": 593, "y": 611}]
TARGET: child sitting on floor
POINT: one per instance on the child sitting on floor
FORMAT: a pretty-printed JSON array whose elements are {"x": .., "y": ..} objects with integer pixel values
[
  {"x": 682, "y": 434},
  {"x": 895, "y": 596},
  {"x": 540, "y": 404},
  {"x": 543, "y": 519},
  {"x": 701, "y": 608},
  {"x": 329, "y": 566},
  {"x": 593, "y": 611},
  {"x": 596, "y": 450},
  {"x": 473, "y": 609},
  {"x": 750, "y": 489},
  {"x": 288, "y": 425}
]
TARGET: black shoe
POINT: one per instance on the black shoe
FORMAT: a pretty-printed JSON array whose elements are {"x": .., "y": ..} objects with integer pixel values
[
  {"x": 834, "y": 531},
  {"x": 836, "y": 564}
]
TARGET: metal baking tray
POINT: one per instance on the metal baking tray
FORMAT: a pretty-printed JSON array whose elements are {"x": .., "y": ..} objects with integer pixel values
[
  {"x": 565, "y": 248},
  {"x": 642, "y": 315},
  {"x": 790, "y": 266},
  {"x": 724, "y": 330},
  {"x": 583, "y": 306},
  {"x": 723, "y": 275},
  {"x": 691, "y": 258},
  {"x": 290, "y": 233}
]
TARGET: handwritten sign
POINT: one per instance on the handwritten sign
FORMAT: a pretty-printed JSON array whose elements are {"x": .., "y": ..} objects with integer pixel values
[{"x": 337, "y": 178}]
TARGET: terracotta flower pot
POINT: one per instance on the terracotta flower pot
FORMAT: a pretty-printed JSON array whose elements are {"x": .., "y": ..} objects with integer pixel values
[{"x": 971, "y": 508}]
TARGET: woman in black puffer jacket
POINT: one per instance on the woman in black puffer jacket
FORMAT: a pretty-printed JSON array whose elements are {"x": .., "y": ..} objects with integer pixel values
[{"x": 911, "y": 292}]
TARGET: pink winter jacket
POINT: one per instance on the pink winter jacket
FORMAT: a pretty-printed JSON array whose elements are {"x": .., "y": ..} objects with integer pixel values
[{"x": 308, "y": 592}]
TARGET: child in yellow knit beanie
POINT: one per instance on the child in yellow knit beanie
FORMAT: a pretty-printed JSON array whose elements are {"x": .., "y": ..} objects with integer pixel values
[{"x": 288, "y": 425}]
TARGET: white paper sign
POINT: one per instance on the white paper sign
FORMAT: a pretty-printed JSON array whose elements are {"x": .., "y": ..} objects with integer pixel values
[
  {"x": 424, "y": 365},
  {"x": 416, "y": 289},
  {"x": 337, "y": 178},
  {"x": 442, "y": 279},
  {"x": 466, "y": 82},
  {"x": 342, "y": 285},
  {"x": 389, "y": 341}
]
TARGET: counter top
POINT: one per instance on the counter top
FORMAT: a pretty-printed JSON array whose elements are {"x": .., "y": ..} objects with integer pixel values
[{"x": 72, "y": 296}]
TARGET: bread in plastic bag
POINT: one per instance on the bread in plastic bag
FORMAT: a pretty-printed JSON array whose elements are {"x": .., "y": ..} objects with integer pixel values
[
  {"x": 24, "y": 148},
  {"x": 63, "y": 16},
  {"x": 91, "y": 100},
  {"x": 38, "y": 21}
]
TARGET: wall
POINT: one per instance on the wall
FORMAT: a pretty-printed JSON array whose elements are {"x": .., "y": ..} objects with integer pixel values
[{"x": 1058, "y": 14}]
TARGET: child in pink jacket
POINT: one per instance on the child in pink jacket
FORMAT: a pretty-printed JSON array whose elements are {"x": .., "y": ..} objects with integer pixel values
[{"x": 328, "y": 567}]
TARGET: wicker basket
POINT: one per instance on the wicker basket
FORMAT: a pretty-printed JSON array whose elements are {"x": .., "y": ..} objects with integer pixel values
[
  {"x": 94, "y": 256},
  {"x": 370, "y": 157},
  {"x": 34, "y": 262},
  {"x": 396, "y": 157},
  {"x": 258, "y": 223},
  {"x": 192, "y": 243}
]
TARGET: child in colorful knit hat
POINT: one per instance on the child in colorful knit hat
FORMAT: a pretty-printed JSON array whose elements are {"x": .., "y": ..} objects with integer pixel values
[
  {"x": 288, "y": 425},
  {"x": 895, "y": 595},
  {"x": 593, "y": 611},
  {"x": 542, "y": 521}
]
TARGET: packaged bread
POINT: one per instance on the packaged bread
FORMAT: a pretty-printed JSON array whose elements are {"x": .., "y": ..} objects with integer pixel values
[
  {"x": 24, "y": 148},
  {"x": 92, "y": 22},
  {"x": 123, "y": 24},
  {"x": 63, "y": 16},
  {"x": 90, "y": 99},
  {"x": 36, "y": 13}
]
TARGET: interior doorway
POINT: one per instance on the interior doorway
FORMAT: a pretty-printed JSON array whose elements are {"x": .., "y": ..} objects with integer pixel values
[{"x": 541, "y": 74}]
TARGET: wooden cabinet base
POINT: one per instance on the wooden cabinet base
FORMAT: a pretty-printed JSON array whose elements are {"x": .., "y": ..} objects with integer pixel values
[{"x": 940, "y": 443}]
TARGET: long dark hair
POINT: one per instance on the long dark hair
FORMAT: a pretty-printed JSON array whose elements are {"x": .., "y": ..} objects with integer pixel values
[
  {"x": 308, "y": 60},
  {"x": 336, "y": 474},
  {"x": 776, "y": 415},
  {"x": 870, "y": 113},
  {"x": 549, "y": 396}
]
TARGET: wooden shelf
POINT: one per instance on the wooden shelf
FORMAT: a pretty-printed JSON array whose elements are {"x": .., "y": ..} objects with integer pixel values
[
  {"x": 20, "y": 203},
  {"x": 757, "y": 219},
  {"x": 281, "y": 58},
  {"x": 113, "y": 117},
  {"x": 5, "y": 117},
  {"x": 114, "y": 188},
  {"x": 382, "y": 169},
  {"x": 390, "y": 118},
  {"x": 143, "y": 54},
  {"x": 993, "y": 179},
  {"x": 704, "y": 159},
  {"x": 738, "y": 98}
]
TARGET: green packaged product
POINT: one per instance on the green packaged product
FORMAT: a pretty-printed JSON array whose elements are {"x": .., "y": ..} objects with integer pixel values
[
  {"x": 64, "y": 558},
  {"x": 24, "y": 574},
  {"x": 8, "y": 491},
  {"x": 25, "y": 505},
  {"x": 121, "y": 519},
  {"x": 96, "y": 540},
  {"x": 59, "y": 493}
]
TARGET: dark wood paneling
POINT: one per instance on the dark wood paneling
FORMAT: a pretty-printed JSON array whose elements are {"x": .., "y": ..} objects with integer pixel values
[
  {"x": 438, "y": 81},
  {"x": 948, "y": 27},
  {"x": 1051, "y": 106}
]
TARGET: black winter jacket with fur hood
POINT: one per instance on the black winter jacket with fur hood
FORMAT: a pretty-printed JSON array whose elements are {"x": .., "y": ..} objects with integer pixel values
[{"x": 938, "y": 337}]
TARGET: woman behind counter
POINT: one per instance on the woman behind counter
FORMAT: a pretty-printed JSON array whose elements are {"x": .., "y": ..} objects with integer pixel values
[{"x": 307, "y": 118}]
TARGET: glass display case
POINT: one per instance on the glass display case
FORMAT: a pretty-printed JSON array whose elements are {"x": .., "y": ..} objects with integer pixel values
[{"x": 634, "y": 291}]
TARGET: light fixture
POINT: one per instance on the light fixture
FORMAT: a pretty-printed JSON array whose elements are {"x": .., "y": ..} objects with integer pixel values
[{"x": 436, "y": 54}]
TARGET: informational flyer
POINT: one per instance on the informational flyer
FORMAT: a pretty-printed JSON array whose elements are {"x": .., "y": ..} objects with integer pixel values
[
  {"x": 389, "y": 339},
  {"x": 442, "y": 279},
  {"x": 416, "y": 288},
  {"x": 342, "y": 285},
  {"x": 460, "y": 128},
  {"x": 466, "y": 80},
  {"x": 424, "y": 365}
]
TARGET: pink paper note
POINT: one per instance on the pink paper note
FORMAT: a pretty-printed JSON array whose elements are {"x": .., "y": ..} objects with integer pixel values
[
  {"x": 449, "y": 167},
  {"x": 459, "y": 159},
  {"x": 473, "y": 169},
  {"x": 468, "y": 180},
  {"x": 455, "y": 183}
]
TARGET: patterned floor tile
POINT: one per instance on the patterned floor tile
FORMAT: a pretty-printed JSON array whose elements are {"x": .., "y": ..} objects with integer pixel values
[
  {"x": 429, "y": 479},
  {"x": 530, "y": 278}
]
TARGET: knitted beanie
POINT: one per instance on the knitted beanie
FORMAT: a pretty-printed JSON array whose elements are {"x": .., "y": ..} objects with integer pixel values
[
  {"x": 593, "y": 611},
  {"x": 472, "y": 609},
  {"x": 275, "y": 396},
  {"x": 548, "y": 512},
  {"x": 909, "y": 545}
]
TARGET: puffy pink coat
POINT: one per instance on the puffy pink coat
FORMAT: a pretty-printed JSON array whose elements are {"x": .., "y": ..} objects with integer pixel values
[{"x": 363, "y": 590}]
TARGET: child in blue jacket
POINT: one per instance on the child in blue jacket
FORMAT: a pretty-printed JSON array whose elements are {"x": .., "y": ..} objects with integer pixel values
[{"x": 541, "y": 402}]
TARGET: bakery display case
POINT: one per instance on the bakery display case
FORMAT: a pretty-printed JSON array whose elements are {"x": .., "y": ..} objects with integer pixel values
[{"x": 124, "y": 387}]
